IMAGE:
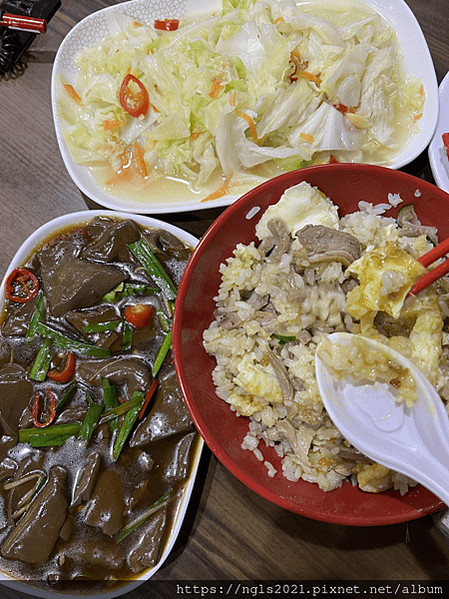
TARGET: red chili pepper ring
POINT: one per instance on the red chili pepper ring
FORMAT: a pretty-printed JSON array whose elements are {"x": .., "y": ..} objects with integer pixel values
[
  {"x": 36, "y": 408},
  {"x": 446, "y": 143},
  {"x": 136, "y": 103},
  {"x": 66, "y": 372},
  {"x": 139, "y": 315},
  {"x": 21, "y": 285},
  {"x": 166, "y": 24}
]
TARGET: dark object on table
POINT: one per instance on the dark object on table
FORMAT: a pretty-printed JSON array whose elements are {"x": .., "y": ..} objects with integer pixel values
[{"x": 13, "y": 42}]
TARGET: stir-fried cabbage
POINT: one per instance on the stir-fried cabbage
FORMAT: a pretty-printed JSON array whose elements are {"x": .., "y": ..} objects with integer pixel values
[{"x": 266, "y": 84}]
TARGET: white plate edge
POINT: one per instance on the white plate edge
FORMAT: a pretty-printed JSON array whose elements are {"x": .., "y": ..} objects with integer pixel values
[
  {"x": 437, "y": 155},
  {"x": 390, "y": 10}
]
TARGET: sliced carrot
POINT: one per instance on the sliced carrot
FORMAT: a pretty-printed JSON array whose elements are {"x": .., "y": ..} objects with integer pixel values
[
  {"x": 139, "y": 155},
  {"x": 251, "y": 124},
  {"x": 306, "y": 137},
  {"x": 232, "y": 98},
  {"x": 122, "y": 175},
  {"x": 72, "y": 93},
  {"x": 215, "y": 89},
  {"x": 309, "y": 77},
  {"x": 279, "y": 20},
  {"x": 117, "y": 178},
  {"x": 112, "y": 124},
  {"x": 221, "y": 191},
  {"x": 417, "y": 116},
  {"x": 148, "y": 397}
]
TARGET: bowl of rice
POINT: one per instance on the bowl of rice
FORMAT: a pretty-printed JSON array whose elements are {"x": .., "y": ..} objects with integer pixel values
[{"x": 283, "y": 267}]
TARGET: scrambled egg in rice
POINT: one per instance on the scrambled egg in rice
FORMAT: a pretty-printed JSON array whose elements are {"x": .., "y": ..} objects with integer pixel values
[{"x": 279, "y": 299}]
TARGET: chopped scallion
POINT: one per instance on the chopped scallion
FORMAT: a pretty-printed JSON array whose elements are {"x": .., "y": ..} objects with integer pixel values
[
  {"x": 157, "y": 505},
  {"x": 42, "y": 362},
  {"x": 127, "y": 425},
  {"x": 65, "y": 398},
  {"x": 48, "y": 440},
  {"x": 121, "y": 409},
  {"x": 36, "y": 317},
  {"x": 128, "y": 289},
  {"x": 127, "y": 336},
  {"x": 90, "y": 422},
  {"x": 70, "y": 429},
  {"x": 67, "y": 343},
  {"x": 144, "y": 254},
  {"x": 162, "y": 353},
  {"x": 110, "y": 400},
  {"x": 165, "y": 322},
  {"x": 112, "y": 295},
  {"x": 101, "y": 327},
  {"x": 283, "y": 339}
]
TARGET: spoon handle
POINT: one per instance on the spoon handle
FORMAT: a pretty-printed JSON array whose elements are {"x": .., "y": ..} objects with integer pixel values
[{"x": 433, "y": 436}]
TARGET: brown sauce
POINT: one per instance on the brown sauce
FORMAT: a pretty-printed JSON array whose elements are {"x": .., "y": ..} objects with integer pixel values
[{"x": 87, "y": 521}]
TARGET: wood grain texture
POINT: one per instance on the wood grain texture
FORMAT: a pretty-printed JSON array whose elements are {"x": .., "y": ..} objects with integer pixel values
[{"x": 230, "y": 532}]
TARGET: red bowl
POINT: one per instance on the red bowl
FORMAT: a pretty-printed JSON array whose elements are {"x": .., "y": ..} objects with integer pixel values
[{"x": 222, "y": 430}]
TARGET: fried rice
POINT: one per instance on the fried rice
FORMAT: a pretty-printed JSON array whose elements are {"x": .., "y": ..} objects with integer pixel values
[{"x": 274, "y": 306}]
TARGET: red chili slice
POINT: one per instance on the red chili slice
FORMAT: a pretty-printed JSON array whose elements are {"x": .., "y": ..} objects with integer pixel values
[
  {"x": 36, "y": 408},
  {"x": 148, "y": 397},
  {"x": 21, "y": 285},
  {"x": 136, "y": 103},
  {"x": 138, "y": 315},
  {"x": 445, "y": 137},
  {"x": 166, "y": 24},
  {"x": 67, "y": 371}
]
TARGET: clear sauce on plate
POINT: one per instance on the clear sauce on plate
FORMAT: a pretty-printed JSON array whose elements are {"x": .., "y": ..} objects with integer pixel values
[{"x": 154, "y": 183}]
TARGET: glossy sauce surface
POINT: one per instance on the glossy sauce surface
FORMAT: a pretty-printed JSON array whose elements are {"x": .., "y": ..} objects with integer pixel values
[{"x": 89, "y": 492}]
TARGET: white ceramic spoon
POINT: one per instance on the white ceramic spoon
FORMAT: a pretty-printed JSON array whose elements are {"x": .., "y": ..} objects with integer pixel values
[{"x": 413, "y": 441}]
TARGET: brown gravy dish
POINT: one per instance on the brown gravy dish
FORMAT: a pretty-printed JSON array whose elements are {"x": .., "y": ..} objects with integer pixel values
[{"x": 82, "y": 460}]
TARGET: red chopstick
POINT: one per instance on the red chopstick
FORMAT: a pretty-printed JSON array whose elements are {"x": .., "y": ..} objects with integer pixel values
[
  {"x": 436, "y": 273},
  {"x": 23, "y": 23},
  {"x": 438, "y": 251}
]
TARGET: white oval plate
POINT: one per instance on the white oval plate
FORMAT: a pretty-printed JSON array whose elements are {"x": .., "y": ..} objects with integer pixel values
[
  {"x": 100, "y": 24},
  {"x": 45, "y": 232},
  {"x": 439, "y": 162}
]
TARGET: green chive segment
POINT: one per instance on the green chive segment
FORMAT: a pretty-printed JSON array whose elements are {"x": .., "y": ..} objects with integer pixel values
[
  {"x": 283, "y": 339},
  {"x": 90, "y": 422},
  {"x": 42, "y": 362},
  {"x": 71, "y": 344},
  {"x": 69, "y": 429},
  {"x": 128, "y": 423},
  {"x": 162, "y": 353},
  {"x": 144, "y": 254},
  {"x": 157, "y": 505}
]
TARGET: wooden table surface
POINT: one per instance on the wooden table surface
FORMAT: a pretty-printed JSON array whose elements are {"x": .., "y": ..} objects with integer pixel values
[{"x": 230, "y": 532}]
